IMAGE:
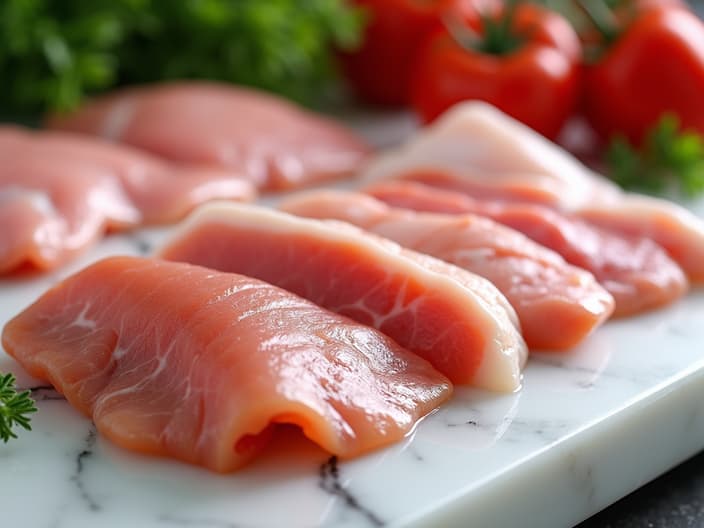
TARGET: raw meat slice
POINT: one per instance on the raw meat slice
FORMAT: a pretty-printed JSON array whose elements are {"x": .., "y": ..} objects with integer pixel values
[
  {"x": 177, "y": 360},
  {"x": 273, "y": 142},
  {"x": 678, "y": 231},
  {"x": 47, "y": 221},
  {"x": 456, "y": 320},
  {"x": 60, "y": 192},
  {"x": 476, "y": 149},
  {"x": 558, "y": 305},
  {"x": 636, "y": 271}
]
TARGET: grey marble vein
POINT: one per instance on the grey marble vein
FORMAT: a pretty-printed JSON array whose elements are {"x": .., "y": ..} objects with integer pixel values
[
  {"x": 77, "y": 478},
  {"x": 143, "y": 246},
  {"x": 582, "y": 475},
  {"x": 45, "y": 393},
  {"x": 330, "y": 483}
]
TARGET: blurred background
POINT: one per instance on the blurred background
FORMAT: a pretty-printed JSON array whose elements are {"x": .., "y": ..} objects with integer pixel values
[
  {"x": 610, "y": 80},
  {"x": 53, "y": 53}
]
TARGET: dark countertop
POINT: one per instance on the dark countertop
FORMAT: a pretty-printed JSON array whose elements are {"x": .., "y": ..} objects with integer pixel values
[{"x": 674, "y": 500}]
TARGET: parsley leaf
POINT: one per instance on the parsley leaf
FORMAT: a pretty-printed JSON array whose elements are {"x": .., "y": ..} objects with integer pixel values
[
  {"x": 14, "y": 408},
  {"x": 55, "y": 52},
  {"x": 668, "y": 159}
]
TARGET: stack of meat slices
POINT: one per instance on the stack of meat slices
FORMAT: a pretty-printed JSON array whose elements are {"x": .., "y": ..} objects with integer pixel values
[
  {"x": 197, "y": 364},
  {"x": 347, "y": 314},
  {"x": 197, "y": 141},
  {"x": 477, "y": 160},
  {"x": 270, "y": 141},
  {"x": 60, "y": 192}
]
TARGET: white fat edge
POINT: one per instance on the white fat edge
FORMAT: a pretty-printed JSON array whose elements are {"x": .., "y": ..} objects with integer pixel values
[
  {"x": 501, "y": 360},
  {"x": 639, "y": 207},
  {"x": 447, "y": 145},
  {"x": 118, "y": 118},
  {"x": 501, "y": 372},
  {"x": 359, "y": 207}
]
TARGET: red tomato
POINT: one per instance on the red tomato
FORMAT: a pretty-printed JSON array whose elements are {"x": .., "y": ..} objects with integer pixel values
[
  {"x": 655, "y": 66},
  {"x": 623, "y": 13},
  {"x": 536, "y": 83},
  {"x": 380, "y": 71}
]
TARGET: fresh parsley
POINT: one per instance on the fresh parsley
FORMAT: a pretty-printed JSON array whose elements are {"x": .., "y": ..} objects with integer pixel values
[
  {"x": 55, "y": 52},
  {"x": 669, "y": 159},
  {"x": 14, "y": 408}
]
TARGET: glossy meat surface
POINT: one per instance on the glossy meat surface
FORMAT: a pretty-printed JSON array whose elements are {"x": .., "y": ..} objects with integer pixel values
[
  {"x": 274, "y": 143},
  {"x": 672, "y": 227},
  {"x": 637, "y": 272},
  {"x": 60, "y": 192},
  {"x": 476, "y": 148},
  {"x": 479, "y": 151},
  {"x": 456, "y": 320},
  {"x": 185, "y": 362},
  {"x": 558, "y": 305}
]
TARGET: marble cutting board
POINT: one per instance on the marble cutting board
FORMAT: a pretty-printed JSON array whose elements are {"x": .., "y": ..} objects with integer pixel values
[{"x": 585, "y": 429}]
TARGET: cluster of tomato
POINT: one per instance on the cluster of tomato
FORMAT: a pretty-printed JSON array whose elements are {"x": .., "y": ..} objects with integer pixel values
[{"x": 637, "y": 60}]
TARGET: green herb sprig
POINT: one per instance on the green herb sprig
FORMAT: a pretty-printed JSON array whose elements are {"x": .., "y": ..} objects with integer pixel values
[
  {"x": 669, "y": 159},
  {"x": 14, "y": 408},
  {"x": 55, "y": 52}
]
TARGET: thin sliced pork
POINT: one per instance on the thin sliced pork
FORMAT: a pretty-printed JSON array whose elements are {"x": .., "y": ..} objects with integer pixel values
[
  {"x": 674, "y": 228},
  {"x": 456, "y": 320},
  {"x": 60, "y": 192},
  {"x": 181, "y": 361},
  {"x": 636, "y": 271},
  {"x": 476, "y": 149},
  {"x": 558, "y": 305},
  {"x": 274, "y": 143}
]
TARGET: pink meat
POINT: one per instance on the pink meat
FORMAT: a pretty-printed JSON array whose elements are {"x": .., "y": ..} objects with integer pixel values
[
  {"x": 477, "y": 150},
  {"x": 276, "y": 144},
  {"x": 456, "y": 320},
  {"x": 60, "y": 192},
  {"x": 180, "y": 361},
  {"x": 672, "y": 227},
  {"x": 558, "y": 304},
  {"x": 637, "y": 272}
]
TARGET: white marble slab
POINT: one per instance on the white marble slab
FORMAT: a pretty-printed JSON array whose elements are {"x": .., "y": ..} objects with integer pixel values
[{"x": 585, "y": 429}]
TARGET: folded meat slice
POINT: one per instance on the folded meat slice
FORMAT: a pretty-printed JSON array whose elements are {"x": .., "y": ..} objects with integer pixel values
[
  {"x": 181, "y": 361},
  {"x": 47, "y": 220},
  {"x": 273, "y": 142},
  {"x": 60, "y": 192},
  {"x": 558, "y": 305},
  {"x": 636, "y": 271},
  {"x": 456, "y": 320},
  {"x": 476, "y": 149}
]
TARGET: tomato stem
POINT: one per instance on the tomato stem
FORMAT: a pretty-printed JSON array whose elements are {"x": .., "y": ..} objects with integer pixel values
[
  {"x": 601, "y": 16},
  {"x": 497, "y": 36}
]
